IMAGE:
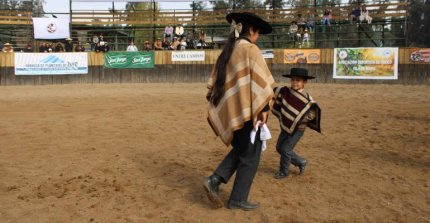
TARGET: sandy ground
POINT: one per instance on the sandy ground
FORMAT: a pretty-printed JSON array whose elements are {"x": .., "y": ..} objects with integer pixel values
[{"x": 138, "y": 153}]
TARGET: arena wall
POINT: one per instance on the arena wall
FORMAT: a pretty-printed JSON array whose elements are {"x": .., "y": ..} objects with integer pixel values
[{"x": 177, "y": 72}]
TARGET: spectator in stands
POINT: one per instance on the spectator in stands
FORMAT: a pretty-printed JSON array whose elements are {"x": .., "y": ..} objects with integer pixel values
[
  {"x": 42, "y": 48},
  {"x": 59, "y": 48},
  {"x": 49, "y": 48},
  {"x": 132, "y": 47},
  {"x": 7, "y": 48},
  {"x": 29, "y": 48},
  {"x": 147, "y": 46},
  {"x": 190, "y": 40},
  {"x": 326, "y": 17},
  {"x": 68, "y": 45},
  {"x": 166, "y": 43},
  {"x": 103, "y": 47},
  {"x": 310, "y": 24},
  {"x": 79, "y": 47},
  {"x": 183, "y": 44},
  {"x": 175, "y": 44},
  {"x": 355, "y": 14},
  {"x": 101, "y": 37},
  {"x": 168, "y": 32},
  {"x": 94, "y": 41},
  {"x": 202, "y": 39},
  {"x": 301, "y": 22},
  {"x": 292, "y": 31},
  {"x": 158, "y": 45},
  {"x": 364, "y": 15},
  {"x": 306, "y": 37}
]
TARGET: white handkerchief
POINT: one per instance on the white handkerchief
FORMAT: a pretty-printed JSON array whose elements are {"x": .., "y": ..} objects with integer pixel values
[{"x": 264, "y": 134}]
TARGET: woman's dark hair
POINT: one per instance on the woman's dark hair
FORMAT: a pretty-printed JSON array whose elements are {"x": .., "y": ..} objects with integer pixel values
[{"x": 221, "y": 64}]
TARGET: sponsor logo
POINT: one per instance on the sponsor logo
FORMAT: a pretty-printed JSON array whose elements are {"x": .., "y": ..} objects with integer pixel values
[
  {"x": 343, "y": 54},
  {"x": 51, "y": 28},
  {"x": 52, "y": 59},
  {"x": 313, "y": 57},
  {"x": 117, "y": 60},
  {"x": 141, "y": 60}
]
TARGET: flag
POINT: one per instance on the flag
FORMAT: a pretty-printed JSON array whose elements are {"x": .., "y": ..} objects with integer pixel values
[{"x": 51, "y": 28}]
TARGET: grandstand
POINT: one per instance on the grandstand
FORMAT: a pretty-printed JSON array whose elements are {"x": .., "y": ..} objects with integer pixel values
[{"x": 121, "y": 26}]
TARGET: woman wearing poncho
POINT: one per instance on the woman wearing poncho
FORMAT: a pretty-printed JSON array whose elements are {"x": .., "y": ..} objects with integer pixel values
[{"x": 240, "y": 92}]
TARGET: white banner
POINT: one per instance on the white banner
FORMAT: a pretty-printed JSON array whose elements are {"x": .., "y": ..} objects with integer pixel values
[
  {"x": 366, "y": 63},
  {"x": 268, "y": 54},
  {"x": 188, "y": 55},
  {"x": 50, "y": 63},
  {"x": 51, "y": 28}
]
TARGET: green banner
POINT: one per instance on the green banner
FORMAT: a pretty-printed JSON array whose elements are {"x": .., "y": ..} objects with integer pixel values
[{"x": 129, "y": 60}]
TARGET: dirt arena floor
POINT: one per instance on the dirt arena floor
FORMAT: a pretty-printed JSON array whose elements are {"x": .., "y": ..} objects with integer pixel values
[{"x": 139, "y": 152}]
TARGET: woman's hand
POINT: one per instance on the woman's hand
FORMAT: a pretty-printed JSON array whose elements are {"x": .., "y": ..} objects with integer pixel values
[{"x": 263, "y": 118}]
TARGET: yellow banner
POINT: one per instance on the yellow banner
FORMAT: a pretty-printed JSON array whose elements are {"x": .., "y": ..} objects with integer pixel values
[{"x": 311, "y": 56}]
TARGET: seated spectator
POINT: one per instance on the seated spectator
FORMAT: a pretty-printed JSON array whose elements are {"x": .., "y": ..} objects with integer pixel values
[
  {"x": 103, "y": 47},
  {"x": 326, "y": 17},
  {"x": 79, "y": 47},
  {"x": 175, "y": 44},
  {"x": 29, "y": 48},
  {"x": 355, "y": 14},
  {"x": 7, "y": 48},
  {"x": 183, "y": 44},
  {"x": 68, "y": 45},
  {"x": 49, "y": 48},
  {"x": 147, "y": 46},
  {"x": 132, "y": 47},
  {"x": 292, "y": 31},
  {"x": 59, "y": 48},
  {"x": 94, "y": 41},
  {"x": 42, "y": 48},
  {"x": 158, "y": 45},
  {"x": 168, "y": 32},
  {"x": 301, "y": 23},
  {"x": 365, "y": 15},
  {"x": 306, "y": 37},
  {"x": 191, "y": 44},
  {"x": 310, "y": 24},
  {"x": 166, "y": 43},
  {"x": 202, "y": 39}
]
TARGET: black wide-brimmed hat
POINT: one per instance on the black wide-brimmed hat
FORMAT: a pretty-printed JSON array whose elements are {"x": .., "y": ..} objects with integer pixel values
[
  {"x": 299, "y": 72},
  {"x": 251, "y": 19}
]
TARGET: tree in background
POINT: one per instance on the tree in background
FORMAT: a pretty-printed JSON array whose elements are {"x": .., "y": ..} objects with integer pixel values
[{"x": 274, "y": 4}]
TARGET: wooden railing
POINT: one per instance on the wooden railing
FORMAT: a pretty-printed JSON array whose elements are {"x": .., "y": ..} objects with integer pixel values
[{"x": 205, "y": 17}]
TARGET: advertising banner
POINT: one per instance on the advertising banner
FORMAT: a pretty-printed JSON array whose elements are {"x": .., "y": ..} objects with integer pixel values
[
  {"x": 310, "y": 56},
  {"x": 51, "y": 63},
  {"x": 129, "y": 60},
  {"x": 365, "y": 63},
  {"x": 420, "y": 55},
  {"x": 188, "y": 55}
]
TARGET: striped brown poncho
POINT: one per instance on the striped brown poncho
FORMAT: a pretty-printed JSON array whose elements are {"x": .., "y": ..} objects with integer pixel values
[
  {"x": 291, "y": 107},
  {"x": 247, "y": 90}
]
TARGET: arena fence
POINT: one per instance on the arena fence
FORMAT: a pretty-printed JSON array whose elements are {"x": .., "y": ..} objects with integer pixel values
[{"x": 166, "y": 70}]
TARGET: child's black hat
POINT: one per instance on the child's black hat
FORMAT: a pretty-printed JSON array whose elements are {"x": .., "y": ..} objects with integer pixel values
[{"x": 299, "y": 72}]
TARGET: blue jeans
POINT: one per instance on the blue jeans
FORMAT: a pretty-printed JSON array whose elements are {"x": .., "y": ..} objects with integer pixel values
[{"x": 285, "y": 147}]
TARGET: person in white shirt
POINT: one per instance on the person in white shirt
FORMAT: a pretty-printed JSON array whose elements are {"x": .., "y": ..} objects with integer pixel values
[{"x": 132, "y": 47}]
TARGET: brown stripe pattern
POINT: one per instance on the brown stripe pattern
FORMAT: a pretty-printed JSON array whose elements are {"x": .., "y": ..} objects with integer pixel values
[
  {"x": 290, "y": 108},
  {"x": 247, "y": 90}
]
